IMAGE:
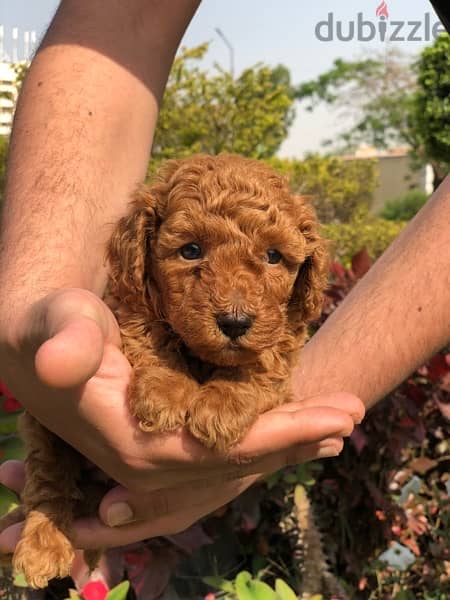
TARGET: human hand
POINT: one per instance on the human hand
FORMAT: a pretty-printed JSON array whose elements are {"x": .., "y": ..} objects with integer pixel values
[
  {"x": 166, "y": 511},
  {"x": 68, "y": 371}
]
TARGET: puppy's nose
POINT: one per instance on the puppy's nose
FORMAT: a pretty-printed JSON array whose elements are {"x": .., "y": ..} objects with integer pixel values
[{"x": 234, "y": 325}]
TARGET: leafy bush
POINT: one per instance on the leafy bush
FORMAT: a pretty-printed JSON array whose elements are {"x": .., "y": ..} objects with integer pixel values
[
  {"x": 338, "y": 188},
  {"x": 405, "y": 207},
  {"x": 364, "y": 231}
]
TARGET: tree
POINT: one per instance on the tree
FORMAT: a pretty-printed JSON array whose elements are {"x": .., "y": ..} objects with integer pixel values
[
  {"x": 391, "y": 100},
  {"x": 431, "y": 106},
  {"x": 374, "y": 96},
  {"x": 213, "y": 111}
]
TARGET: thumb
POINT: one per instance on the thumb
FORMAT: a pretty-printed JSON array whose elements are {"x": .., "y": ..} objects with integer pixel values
[
  {"x": 121, "y": 506},
  {"x": 75, "y": 325},
  {"x": 73, "y": 355}
]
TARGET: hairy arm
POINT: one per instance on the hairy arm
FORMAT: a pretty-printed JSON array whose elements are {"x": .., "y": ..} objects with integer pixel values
[
  {"x": 393, "y": 320},
  {"x": 81, "y": 141}
]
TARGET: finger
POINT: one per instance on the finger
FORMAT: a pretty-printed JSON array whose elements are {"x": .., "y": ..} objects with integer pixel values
[
  {"x": 343, "y": 401},
  {"x": 12, "y": 475},
  {"x": 182, "y": 456},
  {"x": 272, "y": 432},
  {"x": 73, "y": 327},
  {"x": 285, "y": 429},
  {"x": 296, "y": 455},
  {"x": 72, "y": 356},
  {"x": 90, "y": 533},
  {"x": 9, "y": 538}
]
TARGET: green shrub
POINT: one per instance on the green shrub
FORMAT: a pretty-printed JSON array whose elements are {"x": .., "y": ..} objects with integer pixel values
[
  {"x": 364, "y": 231},
  {"x": 338, "y": 188},
  {"x": 405, "y": 207}
]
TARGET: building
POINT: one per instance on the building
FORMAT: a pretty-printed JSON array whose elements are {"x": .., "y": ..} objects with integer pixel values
[
  {"x": 8, "y": 96},
  {"x": 396, "y": 174}
]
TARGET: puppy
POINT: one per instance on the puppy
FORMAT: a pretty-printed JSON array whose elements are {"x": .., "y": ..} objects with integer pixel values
[{"x": 214, "y": 275}]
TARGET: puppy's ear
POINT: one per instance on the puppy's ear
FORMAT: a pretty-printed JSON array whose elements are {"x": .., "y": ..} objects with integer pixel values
[
  {"x": 307, "y": 297},
  {"x": 128, "y": 252}
]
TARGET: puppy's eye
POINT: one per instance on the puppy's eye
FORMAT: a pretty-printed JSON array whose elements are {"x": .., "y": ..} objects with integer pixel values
[
  {"x": 273, "y": 257},
  {"x": 191, "y": 251}
]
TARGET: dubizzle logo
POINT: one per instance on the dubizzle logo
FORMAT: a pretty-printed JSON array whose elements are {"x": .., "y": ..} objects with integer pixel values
[
  {"x": 386, "y": 29},
  {"x": 382, "y": 10}
]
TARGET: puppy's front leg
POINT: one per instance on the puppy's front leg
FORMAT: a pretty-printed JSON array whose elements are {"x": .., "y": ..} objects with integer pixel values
[
  {"x": 222, "y": 412},
  {"x": 159, "y": 396}
]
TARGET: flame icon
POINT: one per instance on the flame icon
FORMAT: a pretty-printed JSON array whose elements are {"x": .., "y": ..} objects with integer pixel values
[{"x": 382, "y": 10}]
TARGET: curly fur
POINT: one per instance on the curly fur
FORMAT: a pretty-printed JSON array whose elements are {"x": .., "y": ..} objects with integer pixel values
[{"x": 186, "y": 371}]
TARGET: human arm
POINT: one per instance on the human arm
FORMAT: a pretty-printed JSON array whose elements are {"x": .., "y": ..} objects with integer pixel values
[
  {"x": 395, "y": 318},
  {"x": 81, "y": 142}
]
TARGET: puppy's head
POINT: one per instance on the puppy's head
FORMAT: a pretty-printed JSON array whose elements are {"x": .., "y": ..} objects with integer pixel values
[{"x": 222, "y": 251}]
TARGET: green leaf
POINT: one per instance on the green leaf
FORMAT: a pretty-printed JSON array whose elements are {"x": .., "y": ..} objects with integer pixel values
[
  {"x": 73, "y": 595},
  {"x": 241, "y": 582},
  {"x": 252, "y": 589},
  {"x": 283, "y": 591},
  {"x": 404, "y": 595},
  {"x": 19, "y": 580},
  {"x": 8, "y": 424},
  {"x": 12, "y": 448},
  {"x": 220, "y": 583},
  {"x": 119, "y": 592},
  {"x": 8, "y": 500}
]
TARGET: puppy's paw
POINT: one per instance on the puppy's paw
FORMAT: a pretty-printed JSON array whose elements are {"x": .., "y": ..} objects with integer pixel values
[
  {"x": 217, "y": 419},
  {"x": 43, "y": 552},
  {"x": 157, "y": 406}
]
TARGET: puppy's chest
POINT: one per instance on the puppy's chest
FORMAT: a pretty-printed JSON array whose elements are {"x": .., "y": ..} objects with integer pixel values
[{"x": 203, "y": 371}]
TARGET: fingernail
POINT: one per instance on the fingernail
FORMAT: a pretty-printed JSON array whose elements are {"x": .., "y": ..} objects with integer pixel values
[
  {"x": 119, "y": 514},
  {"x": 327, "y": 452}
]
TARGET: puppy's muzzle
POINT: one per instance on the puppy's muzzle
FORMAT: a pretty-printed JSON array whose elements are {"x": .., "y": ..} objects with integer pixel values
[{"x": 234, "y": 325}]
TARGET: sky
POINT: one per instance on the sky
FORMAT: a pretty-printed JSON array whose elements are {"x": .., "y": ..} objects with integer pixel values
[{"x": 272, "y": 32}]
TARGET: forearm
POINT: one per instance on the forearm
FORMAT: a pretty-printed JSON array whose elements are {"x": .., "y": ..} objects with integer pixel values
[
  {"x": 81, "y": 141},
  {"x": 393, "y": 320}
]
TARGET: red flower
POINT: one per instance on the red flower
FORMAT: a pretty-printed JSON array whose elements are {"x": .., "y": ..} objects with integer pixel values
[
  {"x": 4, "y": 390},
  {"x": 11, "y": 405},
  {"x": 94, "y": 590}
]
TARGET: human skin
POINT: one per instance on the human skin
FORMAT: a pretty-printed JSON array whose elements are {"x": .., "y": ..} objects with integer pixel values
[
  {"x": 393, "y": 320},
  {"x": 81, "y": 141}
]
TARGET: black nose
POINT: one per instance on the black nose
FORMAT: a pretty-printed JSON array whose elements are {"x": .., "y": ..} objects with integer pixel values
[{"x": 233, "y": 325}]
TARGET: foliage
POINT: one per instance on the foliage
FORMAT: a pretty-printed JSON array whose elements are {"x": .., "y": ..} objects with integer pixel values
[
  {"x": 431, "y": 109},
  {"x": 246, "y": 587},
  {"x": 373, "y": 95},
  {"x": 405, "y": 207},
  {"x": 389, "y": 100},
  {"x": 337, "y": 187},
  {"x": 214, "y": 112},
  {"x": 363, "y": 231}
]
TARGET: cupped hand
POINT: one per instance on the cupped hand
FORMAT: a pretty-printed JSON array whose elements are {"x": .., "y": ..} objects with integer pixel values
[{"x": 66, "y": 367}]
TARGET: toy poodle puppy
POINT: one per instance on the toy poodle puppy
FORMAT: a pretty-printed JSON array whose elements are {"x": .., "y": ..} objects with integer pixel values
[{"x": 214, "y": 274}]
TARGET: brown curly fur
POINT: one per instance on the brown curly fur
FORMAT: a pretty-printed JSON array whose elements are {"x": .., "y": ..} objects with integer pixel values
[{"x": 186, "y": 371}]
